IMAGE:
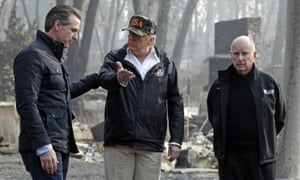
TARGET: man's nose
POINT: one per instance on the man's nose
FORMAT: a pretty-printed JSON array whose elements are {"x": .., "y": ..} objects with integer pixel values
[
  {"x": 75, "y": 36},
  {"x": 240, "y": 56}
]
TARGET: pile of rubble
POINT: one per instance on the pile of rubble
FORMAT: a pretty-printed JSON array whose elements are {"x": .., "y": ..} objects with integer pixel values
[
  {"x": 90, "y": 150},
  {"x": 197, "y": 150}
]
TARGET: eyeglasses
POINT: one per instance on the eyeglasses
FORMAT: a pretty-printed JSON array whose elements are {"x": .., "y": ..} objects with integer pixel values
[{"x": 237, "y": 54}]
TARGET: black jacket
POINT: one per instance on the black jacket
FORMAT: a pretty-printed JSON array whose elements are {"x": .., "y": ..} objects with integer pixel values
[
  {"x": 270, "y": 112},
  {"x": 136, "y": 115},
  {"x": 43, "y": 96}
]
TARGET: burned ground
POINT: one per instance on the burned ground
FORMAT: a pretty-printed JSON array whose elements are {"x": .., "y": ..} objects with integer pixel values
[{"x": 11, "y": 168}]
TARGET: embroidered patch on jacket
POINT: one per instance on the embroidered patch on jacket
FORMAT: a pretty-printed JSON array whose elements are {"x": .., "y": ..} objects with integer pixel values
[
  {"x": 268, "y": 91},
  {"x": 159, "y": 72}
]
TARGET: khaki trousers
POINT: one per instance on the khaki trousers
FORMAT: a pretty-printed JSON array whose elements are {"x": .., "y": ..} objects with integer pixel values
[{"x": 125, "y": 163}]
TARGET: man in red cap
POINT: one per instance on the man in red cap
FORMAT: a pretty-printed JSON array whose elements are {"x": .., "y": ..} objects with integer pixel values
[{"x": 143, "y": 98}]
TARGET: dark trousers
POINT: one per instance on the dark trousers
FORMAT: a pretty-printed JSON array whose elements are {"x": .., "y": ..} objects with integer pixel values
[
  {"x": 245, "y": 166},
  {"x": 33, "y": 165}
]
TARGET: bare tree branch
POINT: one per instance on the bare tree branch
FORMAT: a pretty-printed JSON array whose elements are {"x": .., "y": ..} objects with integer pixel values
[{"x": 26, "y": 12}]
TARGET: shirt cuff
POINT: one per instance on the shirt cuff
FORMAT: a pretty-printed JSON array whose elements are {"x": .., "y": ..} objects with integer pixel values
[
  {"x": 124, "y": 84},
  {"x": 175, "y": 143},
  {"x": 43, "y": 149}
]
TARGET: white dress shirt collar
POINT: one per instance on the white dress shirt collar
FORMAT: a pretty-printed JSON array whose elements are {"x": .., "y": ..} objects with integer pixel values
[{"x": 150, "y": 61}]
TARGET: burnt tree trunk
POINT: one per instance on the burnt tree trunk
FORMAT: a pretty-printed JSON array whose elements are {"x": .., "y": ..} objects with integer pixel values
[
  {"x": 183, "y": 29},
  {"x": 162, "y": 24},
  {"x": 289, "y": 156}
]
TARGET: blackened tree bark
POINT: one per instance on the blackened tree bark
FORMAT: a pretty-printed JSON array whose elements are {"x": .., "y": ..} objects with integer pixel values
[
  {"x": 61, "y": 2},
  {"x": 289, "y": 156},
  {"x": 26, "y": 12},
  {"x": 108, "y": 28},
  {"x": 3, "y": 8},
  {"x": 83, "y": 54},
  {"x": 210, "y": 27},
  {"x": 162, "y": 24},
  {"x": 78, "y": 53},
  {"x": 78, "y": 4},
  {"x": 137, "y": 6},
  {"x": 145, "y": 7},
  {"x": 120, "y": 8},
  {"x": 37, "y": 16},
  {"x": 278, "y": 48},
  {"x": 183, "y": 29}
]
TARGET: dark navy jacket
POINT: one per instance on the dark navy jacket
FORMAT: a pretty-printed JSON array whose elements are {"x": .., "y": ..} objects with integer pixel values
[
  {"x": 43, "y": 96},
  {"x": 136, "y": 115}
]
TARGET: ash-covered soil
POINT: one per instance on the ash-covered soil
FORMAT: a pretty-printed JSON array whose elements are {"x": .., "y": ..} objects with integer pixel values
[{"x": 12, "y": 168}]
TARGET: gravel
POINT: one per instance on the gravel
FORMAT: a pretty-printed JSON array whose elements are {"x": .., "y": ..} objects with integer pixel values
[{"x": 12, "y": 168}]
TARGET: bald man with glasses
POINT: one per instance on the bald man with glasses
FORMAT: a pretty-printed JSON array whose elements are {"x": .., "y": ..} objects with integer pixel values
[{"x": 247, "y": 111}]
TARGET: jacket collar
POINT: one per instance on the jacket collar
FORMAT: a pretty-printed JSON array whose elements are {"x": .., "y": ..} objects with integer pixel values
[
  {"x": 121, "y": 53},
  {"x": 224, "y": 75},
  {"x": 56, "y": 47}
]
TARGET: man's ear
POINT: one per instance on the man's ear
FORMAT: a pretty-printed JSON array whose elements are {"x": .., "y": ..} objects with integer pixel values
[
  {"x": 57, "y": 25},
  {"x": 152, "y": 39},
  {"x": 255, "y": 54}
]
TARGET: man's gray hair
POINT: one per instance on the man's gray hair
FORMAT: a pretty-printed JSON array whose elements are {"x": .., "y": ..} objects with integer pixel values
[
  {"x": 62, "y": 13},
  {"x": 244, "y": 37}
]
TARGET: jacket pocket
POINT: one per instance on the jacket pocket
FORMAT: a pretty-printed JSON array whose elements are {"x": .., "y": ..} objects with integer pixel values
[
  {"x": 57, "y": 123},
  {"x": 54, "y": 78}
]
